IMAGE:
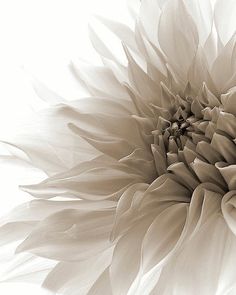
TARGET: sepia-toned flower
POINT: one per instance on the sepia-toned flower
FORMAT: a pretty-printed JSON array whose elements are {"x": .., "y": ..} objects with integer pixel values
[{"x": 140, "y": 193}]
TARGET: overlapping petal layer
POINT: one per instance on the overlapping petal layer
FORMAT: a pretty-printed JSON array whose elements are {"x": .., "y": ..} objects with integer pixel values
[{"x": 144, "y": 169}]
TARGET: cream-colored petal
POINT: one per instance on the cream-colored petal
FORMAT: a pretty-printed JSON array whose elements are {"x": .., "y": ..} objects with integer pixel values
[
  {"x": 178, "y": 36},
  {"x": 49, "y": 145},
  {"x": 225, "y": 19},
  {"x": 207, "y": 172},
  {"x": 102, "y": 285},
  {"x": 117, "y": 107},
  {"x": 225, "y": 147},
  {"x": 91, "y": 181},
  {"x": 228, "y": 101},
  {"x": 228, "y": 208},
  {"x": 140, "y": 80},
  {"x": 163, "y": 235},
  {"x": 80, "y": 276},
  {"x": 107, "y": 133},
  {"x": 70, "y": 235},
  {"x": 198, "y": 268},
  {"x": 149, "y": 18},
  {"x": 100, "y": 81},
  {"x": 127, "y": 257},
  {"x": 27, "y": 268},
  {"x": 202, "y": 14},
  {"x": 222, "y": 70},
  {"x": 122, "y": 31},
  {"x": 229, "y": 174},
  {"x": 227, "y": 123},
  {"x": 127, "y": 209}
]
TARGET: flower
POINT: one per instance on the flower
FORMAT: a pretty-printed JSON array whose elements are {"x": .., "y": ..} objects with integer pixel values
[{"x": 140, "y": 194}]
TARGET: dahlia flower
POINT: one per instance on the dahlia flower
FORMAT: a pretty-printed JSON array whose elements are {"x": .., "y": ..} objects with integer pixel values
[{"x": 140, "y": 192}]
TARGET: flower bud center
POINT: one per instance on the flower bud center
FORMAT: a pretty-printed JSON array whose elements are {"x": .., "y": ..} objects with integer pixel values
[{"x": 178, "y": 128}]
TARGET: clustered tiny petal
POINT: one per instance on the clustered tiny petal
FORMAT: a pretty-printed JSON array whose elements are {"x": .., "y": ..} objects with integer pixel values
[{"x": 140, "y": 194}]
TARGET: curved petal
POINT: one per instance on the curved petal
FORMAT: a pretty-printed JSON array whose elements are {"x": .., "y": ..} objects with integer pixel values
[
  {"x": 102, "y": 285},
  {"x": 109, "y": 134},
  {"x": 198, "y": 268},
  {"x": 94, "y": 180},
  {"x": 228, "y": 206},
  {"x": 163, "y": 235},
  {"x": 225, "y": 11},
  {"x": 229, "y": 174},
  {"x": 70, "y": 235},
  {"x": 66, "y": 277},
  {"x": 178, "y": 36},
  {"x": 127, "y": 257},
  {"x": 201, "y": 12}
]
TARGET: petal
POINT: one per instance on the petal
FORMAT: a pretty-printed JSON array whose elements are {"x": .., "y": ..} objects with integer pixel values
[
  {"x": 204, "y": 205},
  {"x": 70, "y": 235},
  {"x": 229, "y": 174},
  {"x": 185, "y": 175},
  {"x": 225, "y": 19},
  {"x": 102, "y": 285},
  {"x": 207, "y": 172},
  {"x": 117, "y": 107},
  {"x": 205, "y": 202},
  {"x": 127, "y": 256},
  {"x": 22, "y": 220},
  {"x": 140, "y": 81},
  {"x": 201, "y": 12},
  {"x": 14, "y": 231},
  {"x": 178, "y": 36},
  {"x": 94, "y": 180},
  {"x": 36, "y": 210},
  {"x": 99, "y": 46},
  {"x": 228, "y": 206},
  {"x": 27, "y": 268},
  {"x": 66, "y": 277},
  {"x": 163, "y": 235},
  {"x": 199, "y": 71},
  {"x": 126, "y": 210},
  {"x": 112, "y": 135},
  {"x": 100, "y": 81},
  {"x": 149, "y": 18},
  {"x": 228, "y": 101},
  {"x": 222, "y": 70},
  {"x": 165, "y": 189},
  {"x": 122, "y": 31},
  {"x": 45, "y": 93},
  {"x": 49, "y": 145},
  {"x": 198, "y": 268},
  {"x": 227, "y": 122},
  {"x": 224, "y": 146}
]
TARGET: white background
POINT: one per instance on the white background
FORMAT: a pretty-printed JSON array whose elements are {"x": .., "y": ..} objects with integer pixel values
[{"x": 43, "y": 36}]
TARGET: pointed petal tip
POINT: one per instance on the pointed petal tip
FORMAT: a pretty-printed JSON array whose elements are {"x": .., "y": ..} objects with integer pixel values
[
  {"x": 26, "y": 188},
  {"x": 20, "y": 248}
]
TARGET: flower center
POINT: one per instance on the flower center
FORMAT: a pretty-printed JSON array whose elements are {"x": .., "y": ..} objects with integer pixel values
[
  {"x": 178, "y": 128},
  {"x": 174, "y": 130},
  {"x": 176, "y": 134}
]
